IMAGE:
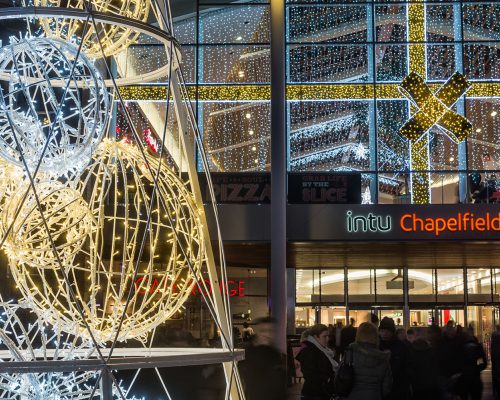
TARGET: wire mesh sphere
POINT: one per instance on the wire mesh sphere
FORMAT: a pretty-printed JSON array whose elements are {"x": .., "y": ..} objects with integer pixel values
[
  {"x": 52, "y": 100},
  {"x": 28, "y": 245},
  {"x": 24, "y": 337},
  {"x": 113, "y": 38},
  {"x": 10, "y": 179},
  {"x": 118, "y": 187}
]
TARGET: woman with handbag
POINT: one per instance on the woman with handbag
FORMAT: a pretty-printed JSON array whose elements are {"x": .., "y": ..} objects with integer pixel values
[
  {"x": 372, "y": 370},
  {"x": 317, "y": 364}
]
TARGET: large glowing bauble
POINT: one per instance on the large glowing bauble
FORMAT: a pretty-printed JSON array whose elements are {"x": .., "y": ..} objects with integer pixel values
[
  {"x": 113, "y": 38},
  {"x": 50, "y": 99},
  {"x": 118, "y": 187},
  {"x": 29, "y": 246}
]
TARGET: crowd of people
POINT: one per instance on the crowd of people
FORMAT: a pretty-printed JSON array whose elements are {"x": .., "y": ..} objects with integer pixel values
[
  {"x": 387, "y": 362},
  {"x": 391, "y": 363}
]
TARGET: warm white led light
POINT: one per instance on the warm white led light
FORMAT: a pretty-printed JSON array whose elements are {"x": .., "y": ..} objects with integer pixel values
[
  {"x": 114, "y": 38},
  {"x": 102, "y": 282}
]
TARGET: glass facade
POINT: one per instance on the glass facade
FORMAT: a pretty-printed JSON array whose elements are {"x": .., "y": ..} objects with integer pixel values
[
  {"x": 433, "y": 295},
  {"x": 345, "y": 62}
]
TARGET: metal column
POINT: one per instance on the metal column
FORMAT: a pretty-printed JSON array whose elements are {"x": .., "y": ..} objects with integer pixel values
[
  {"x": 459, "y": 66},
  {"x": 278, "y": 172},
  {"x": 107, "y": 385}
]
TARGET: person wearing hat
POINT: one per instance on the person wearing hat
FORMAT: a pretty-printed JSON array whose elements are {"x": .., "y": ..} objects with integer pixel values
[{"x": 399, "y": 359}]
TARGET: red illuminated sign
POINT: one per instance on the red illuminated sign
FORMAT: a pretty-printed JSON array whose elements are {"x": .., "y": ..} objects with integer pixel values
[{"x": 233, "y": 288}]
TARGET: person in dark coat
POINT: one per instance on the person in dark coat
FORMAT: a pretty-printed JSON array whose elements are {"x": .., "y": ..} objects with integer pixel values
[
  {"x": 450, "y": 359},
  {"x": 372, "y": 369},
  {"x": 317, "y": 364},
  {"x": 474, "y": 362},
  {"x": 347, "y": 336},
  {"x": 423, "y": 370},
  {"x": 263, "y": 371},
  {"x": 334, "y": 341},
  {"x": 495, "y": 362},
  {"x": 399, "y": 359}
]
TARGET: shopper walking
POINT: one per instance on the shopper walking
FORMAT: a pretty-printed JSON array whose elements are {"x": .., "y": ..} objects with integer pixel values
[
  {"x": 495, "y": 362},
  {"x": 473, "y": 363},
  {"x": 317, "y": 364},
  {"x": 423, "y": 369},
  {"x": 399, "y": 359},
  {"x": 347, "y": 335},
  {"x": 334, "y": 341},
  {"x": 372, "y": 370},
  {"x": 263, "y": 370}
]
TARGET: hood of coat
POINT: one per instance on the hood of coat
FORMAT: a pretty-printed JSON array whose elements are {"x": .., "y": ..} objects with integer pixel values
[{"x": 368, "y": 355}]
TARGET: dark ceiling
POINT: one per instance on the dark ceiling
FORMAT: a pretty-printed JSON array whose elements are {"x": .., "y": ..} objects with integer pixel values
[{"x": 369, "y": 255}]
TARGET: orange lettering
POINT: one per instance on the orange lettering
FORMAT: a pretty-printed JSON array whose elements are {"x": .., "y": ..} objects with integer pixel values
[
  {"x": 480, "y": 223},
  {"x": 402, "y": 223},
  {"x": 440, "y": 225},
  {"x": 452, "y": 224}
]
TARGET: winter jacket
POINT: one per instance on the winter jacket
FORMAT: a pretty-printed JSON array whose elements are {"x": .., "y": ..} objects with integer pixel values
[
  {"x": 263, "y": 372},
  {"x": 495, "y": 355},
  {"x": 372, "y": 372},
  {"x": 423, "y": 370},
  {"x": 317, "y": 371},
  {"x": 399, "y": 366}
]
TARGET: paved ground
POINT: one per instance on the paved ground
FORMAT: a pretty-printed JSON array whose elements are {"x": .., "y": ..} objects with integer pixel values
[{"x": 294, "y": 392}]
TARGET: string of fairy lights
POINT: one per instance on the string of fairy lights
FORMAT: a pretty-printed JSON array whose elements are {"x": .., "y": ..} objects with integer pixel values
[{"x": 332, "y": 56}]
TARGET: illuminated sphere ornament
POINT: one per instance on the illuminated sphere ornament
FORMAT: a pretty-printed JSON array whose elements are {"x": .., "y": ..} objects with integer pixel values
[
  {"x": 42, "y": 100},
  {"x": 28, "y": 245},
  {"x": 113, "y": 38},
  {"x": 118, "y": 187}
]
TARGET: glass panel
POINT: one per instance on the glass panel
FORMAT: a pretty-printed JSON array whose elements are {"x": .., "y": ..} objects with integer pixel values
[
  {"x": 332, "y": 286},
  {"x": 439, "y": 19},
  {"x": 328, "y": 64},
  {"x": 496, "y": 285},
  {"x": 479, "y": 285},
  {"x": 482, "y": 61},
  {"x": 481, "y": 21},
  {"x": 393, "y": 148},
  {"x": 333, "y": 315},
  {"x": 235, "y": 24},
  {"x": 480, "y": 319},
  {"x": 360, "y": 316},
  {"x": 328, "y": 136},
  {"x": 185, "y": 30},
  {"x": 247, "y": 289},
  {"x": 235, "y": 64},
  {"x": 307, "y": 284},
  {"x": 485, "y": 136},
  {"x": 421, "y": 318},
  {"x": 444, "y": 188},
  {"x": 361, "y": 285},
  {"x": 326, "y": 23},
  {"x": 304, "y": 317},
  {"x": 440, "y": 61},
  {"x": 391, "y": 23},
  {"x": 389, "y": 285},
  {"x": 421, "y": 285},
  {"x": 391, "y": 62},
  {"x": 450, "y": 285},
  {"x": 237, "y": 135},
  {"x": 396, "y": 315},
  {"x": 446, "y": 315}
]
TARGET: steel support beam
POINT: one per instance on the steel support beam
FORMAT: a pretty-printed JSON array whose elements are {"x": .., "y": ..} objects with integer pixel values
[{"x": 278, "y": 172}]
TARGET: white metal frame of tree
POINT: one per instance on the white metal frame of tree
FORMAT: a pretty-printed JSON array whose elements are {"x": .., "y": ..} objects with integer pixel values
[{"x": 152, "y": 170}]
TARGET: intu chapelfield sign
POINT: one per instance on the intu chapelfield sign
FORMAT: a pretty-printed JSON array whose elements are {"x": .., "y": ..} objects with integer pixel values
[
  {"x": 394, "y": 222},
  {"x": 427, "y": 221}
]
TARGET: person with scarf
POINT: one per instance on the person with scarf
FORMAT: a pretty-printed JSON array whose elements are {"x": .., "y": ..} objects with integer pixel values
[{"x": 318, "y": 365}]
